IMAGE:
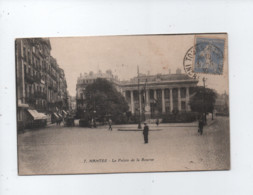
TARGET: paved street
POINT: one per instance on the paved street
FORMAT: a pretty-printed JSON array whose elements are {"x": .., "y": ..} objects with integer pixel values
[{"x": 63, "y": 150}]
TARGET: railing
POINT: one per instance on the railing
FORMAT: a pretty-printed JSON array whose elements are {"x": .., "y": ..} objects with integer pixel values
[
  {"x": 29, "y": 78},
  {"x": 41, "y": 95},
  {"x": 37, "y": 78},
  {"x": 55, "y": 88},
  {"x": 30, "y": 100}
]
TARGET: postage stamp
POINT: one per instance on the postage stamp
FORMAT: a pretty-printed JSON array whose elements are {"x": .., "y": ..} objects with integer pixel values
[{"x": 209, "y": 55}]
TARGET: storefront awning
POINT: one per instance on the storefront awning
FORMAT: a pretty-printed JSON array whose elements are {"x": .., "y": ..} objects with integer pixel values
[
  {"x": 56, "y": 115},
  {"x": 64, "y": 112},
  {"x": 37, "y": 115},
  {"x": 60, "y": 115}
]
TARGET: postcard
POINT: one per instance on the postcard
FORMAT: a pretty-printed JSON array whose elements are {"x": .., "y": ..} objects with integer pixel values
[{"x": 122, "y": 104}]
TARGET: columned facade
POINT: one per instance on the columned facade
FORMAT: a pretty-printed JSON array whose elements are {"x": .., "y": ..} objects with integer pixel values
[
  {"x": 152, "y": 95},
  {"x": 149, "y": 100}
]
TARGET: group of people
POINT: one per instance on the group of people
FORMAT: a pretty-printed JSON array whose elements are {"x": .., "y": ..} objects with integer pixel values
[
  {"x": 201, "y": 123},
  {"x": 145, "y": 130},
  {"x": 63, "y": 120},
  {"x": 146, "y": 127},
  {"x": 58, "y": 121},
  {"x": 93, "y": 123}
]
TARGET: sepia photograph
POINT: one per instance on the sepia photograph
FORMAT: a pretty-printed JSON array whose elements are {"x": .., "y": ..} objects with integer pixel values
[{"x": 122, "y": 104}]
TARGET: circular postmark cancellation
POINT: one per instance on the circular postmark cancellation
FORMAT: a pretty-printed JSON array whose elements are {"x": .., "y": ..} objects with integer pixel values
[
  {"x": 188, "y": 63},
  {"x": 204, "y": 57}
]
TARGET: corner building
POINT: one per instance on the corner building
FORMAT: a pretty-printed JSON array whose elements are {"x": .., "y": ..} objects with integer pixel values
[{"x": 41, "y": 84}]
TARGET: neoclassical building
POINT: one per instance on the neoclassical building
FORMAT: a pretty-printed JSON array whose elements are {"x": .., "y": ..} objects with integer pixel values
[{"x": 149, "y": 94}]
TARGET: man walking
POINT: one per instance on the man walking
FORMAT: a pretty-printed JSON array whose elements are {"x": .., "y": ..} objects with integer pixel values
[
  {"x": 145, "y": 133},
  {"x": 110, "y": 124},
  {"x": 201, "y": 125},
  {"x": 157, "y": 122}
]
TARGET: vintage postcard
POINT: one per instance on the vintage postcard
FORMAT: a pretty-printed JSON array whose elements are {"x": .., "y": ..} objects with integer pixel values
[{"x": 117, "y": 104}]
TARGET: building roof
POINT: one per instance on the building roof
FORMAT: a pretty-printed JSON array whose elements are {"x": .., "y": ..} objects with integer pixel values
[
  {"x": 160, "y": 78},
  {"x": 143, "y": 78}
]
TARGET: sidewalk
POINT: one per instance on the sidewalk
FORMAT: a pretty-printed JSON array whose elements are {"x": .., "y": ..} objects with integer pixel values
[{"x": 134, "y": 127}]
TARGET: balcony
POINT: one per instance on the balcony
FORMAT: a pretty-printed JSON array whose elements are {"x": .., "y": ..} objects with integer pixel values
[
  {"x": 53, "y": 76},
  {"x": 41, "y": 95},
  {"x": 30, "y": 100},
  {"x": 37, "y": 78},
  {"x": 55, "y": 88},
  {"x": 50, "y": 84},
  {"x": 44, "y": 68},
  {"x": 29, "y": 78}
]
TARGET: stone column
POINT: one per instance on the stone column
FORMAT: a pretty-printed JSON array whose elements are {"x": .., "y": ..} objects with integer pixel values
[
  {"x": 163, "y": 101},
  {"x": 155, "y": 96},
  {"x": 147, "y": 105},
  {"x": 179, "y": 99},
  {"x": 171, "y": 100},
  {"x": 187, "y": 99},
  {"x": 147, "y": 97},
  {"x": 124, "y": 94},
  {"x": 132, "y": 101}
]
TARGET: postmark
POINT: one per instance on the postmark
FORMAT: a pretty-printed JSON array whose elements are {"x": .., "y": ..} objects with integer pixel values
[
  {"x": 206, "y": 56},
  {"x": 188, "y": 62}
]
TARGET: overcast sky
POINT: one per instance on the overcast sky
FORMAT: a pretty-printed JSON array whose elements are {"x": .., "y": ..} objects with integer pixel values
[{"x": 122, "y": 54}]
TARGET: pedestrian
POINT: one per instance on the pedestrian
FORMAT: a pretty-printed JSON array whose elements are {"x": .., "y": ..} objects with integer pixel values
[
  {"x": 145, "y": 133},
  {"x": 201, "y": 125},
  {"x": 92, "y": 122},
  {"x": 157, "y": 122},
  {"x": 110, "y": 124},
  {"x": 60, "y": 120}
]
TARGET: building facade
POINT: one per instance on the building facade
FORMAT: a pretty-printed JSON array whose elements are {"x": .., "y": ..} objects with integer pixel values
[
  {"x": 72, "y": 103},
  {"x": 222, "y": 104},
  {"x": 41, "y": 83},
  {"x": 87, "y": 78},
  {"x": 151, "y": 95}
]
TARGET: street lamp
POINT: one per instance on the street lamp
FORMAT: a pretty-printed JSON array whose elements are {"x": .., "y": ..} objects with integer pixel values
[
  {"x": 204, "y": 104},
  {"x": 139, "y": 124}
]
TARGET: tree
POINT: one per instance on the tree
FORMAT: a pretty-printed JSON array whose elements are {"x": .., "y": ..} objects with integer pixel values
[
  {"x": 203, "y": 100},
  {"x": 104, "y": 101}
]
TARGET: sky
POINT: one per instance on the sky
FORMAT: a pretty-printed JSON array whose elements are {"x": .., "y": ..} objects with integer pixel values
[{"x": 122, "y": 54}]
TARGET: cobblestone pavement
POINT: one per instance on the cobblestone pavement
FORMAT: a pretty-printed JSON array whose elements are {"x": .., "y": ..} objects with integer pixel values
[{"x": 64, "y": 150}]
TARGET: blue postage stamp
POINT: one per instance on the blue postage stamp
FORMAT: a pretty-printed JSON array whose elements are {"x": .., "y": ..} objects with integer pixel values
[{"x": 209, "y": 55}]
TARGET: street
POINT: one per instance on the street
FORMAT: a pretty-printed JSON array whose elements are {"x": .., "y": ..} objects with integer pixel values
[{"x": 171, "y": 147}]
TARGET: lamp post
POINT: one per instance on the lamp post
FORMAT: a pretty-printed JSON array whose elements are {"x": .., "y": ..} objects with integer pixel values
[
  {"x": 139, "y": 124},
  {"x": 204, "y": 101}
]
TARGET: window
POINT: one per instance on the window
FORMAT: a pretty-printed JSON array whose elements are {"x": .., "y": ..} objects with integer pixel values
[
  {"x": 25, "y": 89},
  {"x": 183, "y": 106},
  {"x": 167, "y": 93},
  {"x": 24, "y": 53},
  {"x": 183, "y": 92},
  {"x": 28, "y": 54},
  {"x": 30, "y": 90}
]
